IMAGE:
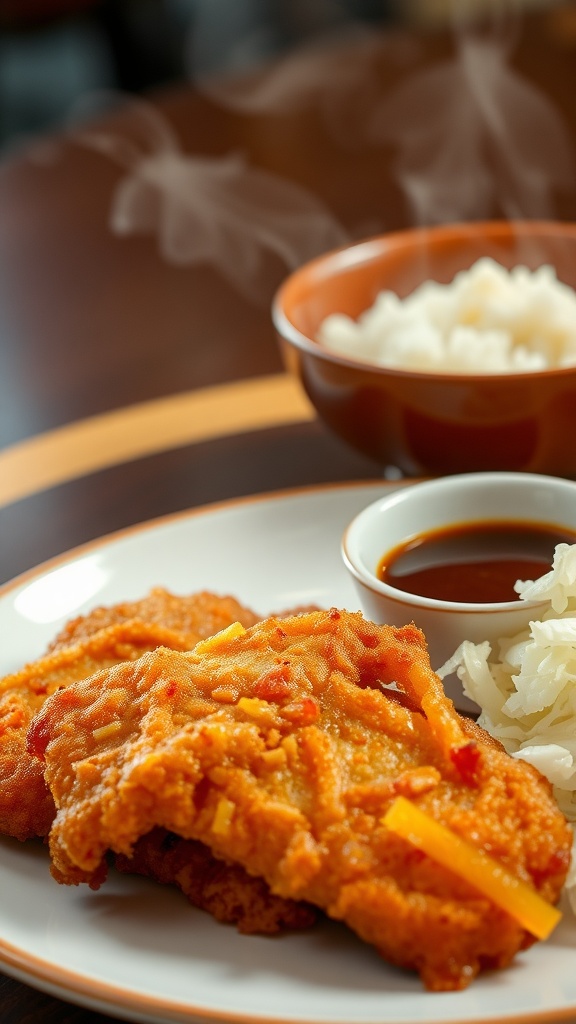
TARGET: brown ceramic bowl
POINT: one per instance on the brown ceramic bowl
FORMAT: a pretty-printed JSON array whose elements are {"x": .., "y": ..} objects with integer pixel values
[{"x": 431, "y": 423}]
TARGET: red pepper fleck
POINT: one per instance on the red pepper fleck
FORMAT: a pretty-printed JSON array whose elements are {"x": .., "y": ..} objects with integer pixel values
[
  {"x": 273, "y": 685},
  {"x": 171, "y": 689},
  {"x": 40, "y": 731},
  {"x": 302, "y": 712},
  {"x": 466, "y": 760}
]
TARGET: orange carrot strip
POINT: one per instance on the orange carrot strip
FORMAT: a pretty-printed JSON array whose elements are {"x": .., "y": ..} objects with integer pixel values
[{"x": 514, "y": 896}]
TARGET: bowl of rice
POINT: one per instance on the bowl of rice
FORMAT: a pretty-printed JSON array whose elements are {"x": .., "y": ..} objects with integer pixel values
[{"x": 442, "y": 350}]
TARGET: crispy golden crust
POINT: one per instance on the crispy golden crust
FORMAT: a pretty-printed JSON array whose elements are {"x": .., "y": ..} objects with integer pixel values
[
  {"x": 194, "y": 616},
  {"x": 224, "y": 890},
  {"x": 280, "y": 751},
  {"x": 26, "y": 805},
  {"x": 104, "y": 637}
]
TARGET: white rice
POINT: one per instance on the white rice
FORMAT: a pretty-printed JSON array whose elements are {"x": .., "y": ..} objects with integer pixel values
[
  {"x": 526, "y": 687},
  {"x": 488, "y": 320}
]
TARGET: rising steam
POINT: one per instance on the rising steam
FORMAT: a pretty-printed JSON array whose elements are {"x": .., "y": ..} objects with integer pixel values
[
  {"x": 336, "y": 73},
  {"x": 208, "y": 210},
  {"x": 473, "y": 137}
]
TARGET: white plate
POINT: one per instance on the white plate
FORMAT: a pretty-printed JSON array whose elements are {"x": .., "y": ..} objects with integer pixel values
[{"x": 140, "y": 951}]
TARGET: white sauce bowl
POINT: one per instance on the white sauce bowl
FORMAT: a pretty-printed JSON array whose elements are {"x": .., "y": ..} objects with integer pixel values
[{"x": 419, "y": 508}]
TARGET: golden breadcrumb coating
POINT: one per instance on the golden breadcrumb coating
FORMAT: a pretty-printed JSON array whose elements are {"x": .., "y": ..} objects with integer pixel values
[
  {"x": 195, "y": 615},
  {"x": 26, "y": 805},
  {"x": 281, "y": 749},
  {"x": 105, "y": 636}
]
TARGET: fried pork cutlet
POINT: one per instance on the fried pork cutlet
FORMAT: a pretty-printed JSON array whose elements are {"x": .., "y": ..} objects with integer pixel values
[
  {"x": 281, "y": 750},
  {"x": 196, "y": 616},
  {"x": 104, "y": 637},
  {"x": 26, "y": 804}
]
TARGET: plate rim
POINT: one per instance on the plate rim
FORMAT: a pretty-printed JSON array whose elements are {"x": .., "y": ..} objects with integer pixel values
[{"x": 192, "y": 511}]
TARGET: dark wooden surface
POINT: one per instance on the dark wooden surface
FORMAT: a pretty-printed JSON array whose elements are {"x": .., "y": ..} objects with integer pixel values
[{"x": 90, "y": 322}]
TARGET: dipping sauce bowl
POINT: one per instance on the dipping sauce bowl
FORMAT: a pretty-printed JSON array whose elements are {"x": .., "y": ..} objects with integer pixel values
[{"x": 413, "y": 510}]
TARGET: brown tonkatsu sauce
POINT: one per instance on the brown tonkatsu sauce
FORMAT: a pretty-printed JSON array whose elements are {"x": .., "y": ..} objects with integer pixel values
[{"x": 474, "y": 562}]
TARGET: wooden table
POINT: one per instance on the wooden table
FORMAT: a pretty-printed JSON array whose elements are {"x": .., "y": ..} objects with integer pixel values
[{"x": 131, "y": 387}]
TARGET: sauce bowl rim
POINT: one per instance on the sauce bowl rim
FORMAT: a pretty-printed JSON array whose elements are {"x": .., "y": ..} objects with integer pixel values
[{"x": 367, "y": 577}]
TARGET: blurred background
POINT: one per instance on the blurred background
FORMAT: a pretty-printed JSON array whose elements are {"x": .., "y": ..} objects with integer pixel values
[{"x": 53, "y": 52}]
